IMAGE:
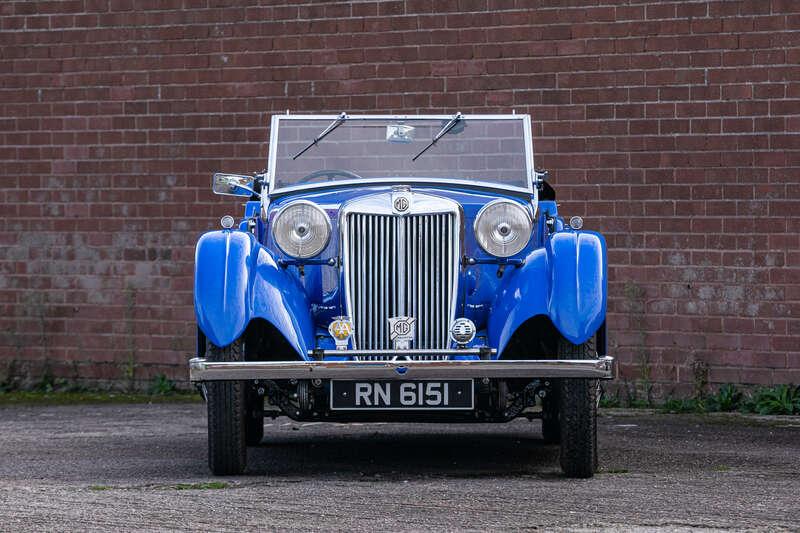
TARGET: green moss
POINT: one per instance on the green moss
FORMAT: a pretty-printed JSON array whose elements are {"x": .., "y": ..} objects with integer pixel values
[
  {"x": 613, "y": 471},
  {"x": 208, "y": 485},
  {"x": 91, "y": 397}
]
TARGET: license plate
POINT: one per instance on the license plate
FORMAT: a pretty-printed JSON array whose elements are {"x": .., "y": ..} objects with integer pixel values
[{"x": 398, "y": 395}]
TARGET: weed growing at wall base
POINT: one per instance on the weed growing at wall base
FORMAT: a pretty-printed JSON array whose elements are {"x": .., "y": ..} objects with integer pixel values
[{"x": 777, "y": 400}]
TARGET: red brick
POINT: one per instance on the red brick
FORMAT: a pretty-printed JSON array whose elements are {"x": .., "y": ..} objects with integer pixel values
[{"x": 672, "y": 125}]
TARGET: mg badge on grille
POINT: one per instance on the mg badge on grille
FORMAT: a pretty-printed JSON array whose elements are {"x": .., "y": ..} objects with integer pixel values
[
  {"x": 401, "y": 200},
  {"x": 401, "y": 204},
  {"x": 401, "y": 331}
]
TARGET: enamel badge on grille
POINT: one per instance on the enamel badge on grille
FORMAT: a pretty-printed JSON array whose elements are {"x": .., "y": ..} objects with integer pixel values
[
  {"x": 340, "y": 329},
  {"x": 401, "y": 331}
]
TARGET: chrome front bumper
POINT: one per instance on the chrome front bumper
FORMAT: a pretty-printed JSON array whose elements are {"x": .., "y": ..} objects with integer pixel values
[{"x": 203, "y": 370}]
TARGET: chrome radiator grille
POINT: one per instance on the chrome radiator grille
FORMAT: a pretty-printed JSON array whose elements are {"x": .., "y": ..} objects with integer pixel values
[{"x": 401, "y": 266}]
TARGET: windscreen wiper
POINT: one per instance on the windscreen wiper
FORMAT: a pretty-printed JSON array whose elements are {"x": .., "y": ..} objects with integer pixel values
[
  {"x": 447, "y": 127},
  {"x": 332, "y": 126}
]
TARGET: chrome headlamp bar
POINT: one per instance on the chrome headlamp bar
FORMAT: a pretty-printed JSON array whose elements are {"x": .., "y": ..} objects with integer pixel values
[
  {"x": 357, "y": 353},
  {"x": 285, "y": 262},
  {"x": 515, "y": 261}
]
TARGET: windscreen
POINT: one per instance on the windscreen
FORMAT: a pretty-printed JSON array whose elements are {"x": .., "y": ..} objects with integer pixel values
[{"x": 490, "y": 151}]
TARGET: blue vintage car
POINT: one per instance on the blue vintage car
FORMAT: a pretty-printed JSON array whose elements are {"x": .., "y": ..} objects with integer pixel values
[{"x": 399, "y": 268}]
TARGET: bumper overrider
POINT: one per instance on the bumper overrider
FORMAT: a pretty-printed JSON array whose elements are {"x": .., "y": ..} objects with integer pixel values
[{"x": 201, "y": 369}]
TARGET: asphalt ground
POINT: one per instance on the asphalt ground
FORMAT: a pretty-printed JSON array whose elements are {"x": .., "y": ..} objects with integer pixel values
[{"x": 143, "y": 467}]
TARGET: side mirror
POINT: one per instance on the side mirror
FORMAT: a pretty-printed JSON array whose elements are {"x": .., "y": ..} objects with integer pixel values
[{"x": 233, "y": 184}]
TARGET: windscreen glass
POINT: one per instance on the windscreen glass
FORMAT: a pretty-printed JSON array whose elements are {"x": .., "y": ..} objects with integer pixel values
[{"x": 490, "y": 151}]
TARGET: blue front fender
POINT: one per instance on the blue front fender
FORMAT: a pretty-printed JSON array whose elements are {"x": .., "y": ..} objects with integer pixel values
[
  {"x": 565, "y": 280},
  {"x": 236, "y": 280}
]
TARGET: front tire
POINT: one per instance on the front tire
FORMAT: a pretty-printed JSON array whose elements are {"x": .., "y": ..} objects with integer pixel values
[
  {"x": 578, "y": 415},
  {"x": 227, "y": 416}
]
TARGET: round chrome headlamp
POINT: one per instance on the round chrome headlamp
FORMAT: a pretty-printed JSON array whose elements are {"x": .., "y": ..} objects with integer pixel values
[
  {"x": 503, "y": 227},
  {"x": 301, "y": 229}
]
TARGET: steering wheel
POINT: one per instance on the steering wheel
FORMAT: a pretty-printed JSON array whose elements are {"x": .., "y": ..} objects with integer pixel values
[{"x": 331, "y": 175}]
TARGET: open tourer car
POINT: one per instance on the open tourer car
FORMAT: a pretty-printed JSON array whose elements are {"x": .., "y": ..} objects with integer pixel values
[{"x": 399, "y": 268}]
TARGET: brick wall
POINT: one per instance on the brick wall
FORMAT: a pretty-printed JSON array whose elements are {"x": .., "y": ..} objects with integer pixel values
[{"x": 672, "y": 127}]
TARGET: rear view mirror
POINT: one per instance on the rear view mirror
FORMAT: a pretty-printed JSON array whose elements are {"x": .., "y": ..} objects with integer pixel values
[
  {"x": 233, "y": 184},
  {"x": 399, "y": 133}
]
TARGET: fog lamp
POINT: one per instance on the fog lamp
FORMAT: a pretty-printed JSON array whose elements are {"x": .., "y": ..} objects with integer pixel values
[{"x": 462, "y": 331}]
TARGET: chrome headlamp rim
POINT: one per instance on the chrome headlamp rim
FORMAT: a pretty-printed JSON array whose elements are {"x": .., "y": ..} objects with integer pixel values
[
  {"x": 525, "y": 238},
  {"x": 325, "y": 218}
]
